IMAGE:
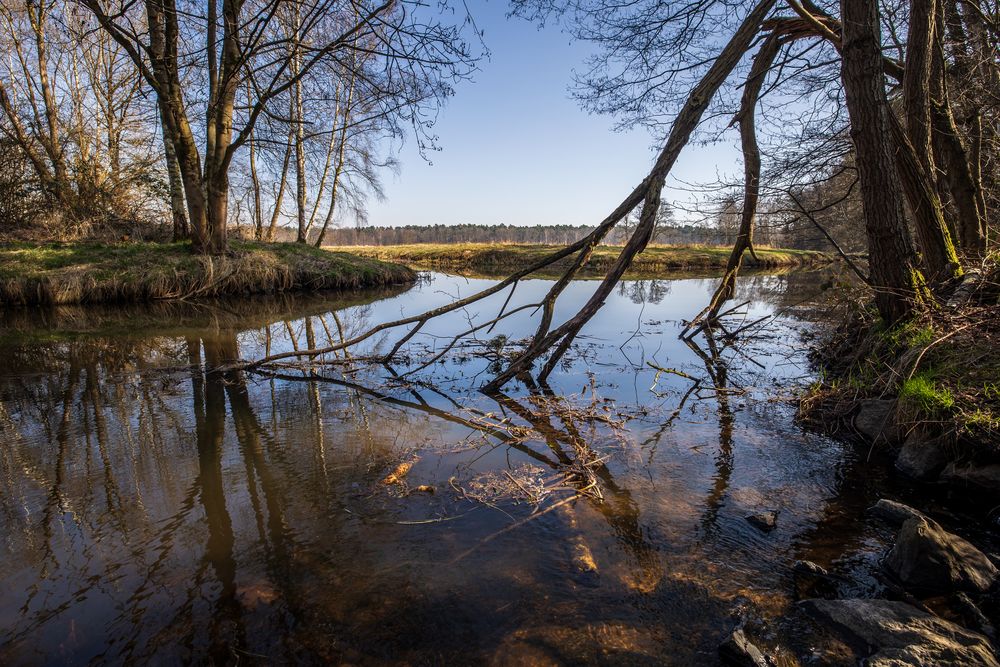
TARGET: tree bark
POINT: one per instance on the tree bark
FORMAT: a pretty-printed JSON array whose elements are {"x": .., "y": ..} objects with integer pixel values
[
  {"x": 951, "y": 154},
  {"x": 935, "y": 241},
  {"x": 762, "y": 62},
  {"x": 899, "y": 286},
  {"x": 915, "y": 153},
  {"x": 178, "y": 214}
]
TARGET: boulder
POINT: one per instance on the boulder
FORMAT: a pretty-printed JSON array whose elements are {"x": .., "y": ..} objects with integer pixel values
[
  {"x": 928, "y": 558},
  {"x": 738, "y": 650},
  {"x": 813, "y": 581},
  {"x": 887, "y": 633},
  {"x": 972, "y": 616},
  {"x": 986, "y": 476},
  {"x": 875, "y": 420},
  {"x": 893, "y": 512},
  {"x": 922, "y": 455},
  {"x": 765, "y": 521}
]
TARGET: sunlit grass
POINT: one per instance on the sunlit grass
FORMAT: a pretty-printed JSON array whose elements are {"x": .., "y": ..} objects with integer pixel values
[
  {"x": 924, "y": 394},
  {"x": 500, "y": 256},
  {"x": 98, "y": 272}
]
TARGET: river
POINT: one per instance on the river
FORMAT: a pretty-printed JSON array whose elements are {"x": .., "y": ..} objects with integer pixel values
[{"x": 155, "y": 510}]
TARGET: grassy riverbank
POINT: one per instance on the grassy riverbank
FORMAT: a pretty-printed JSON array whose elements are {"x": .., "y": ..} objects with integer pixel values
[
  {"x": 928, "y": 389},
  {"x": 66, "y": 273},
  {"x": 495, "y": 258}
]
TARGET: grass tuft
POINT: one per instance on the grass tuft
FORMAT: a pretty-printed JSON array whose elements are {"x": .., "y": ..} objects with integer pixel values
[{"x": 923, "y": 394}]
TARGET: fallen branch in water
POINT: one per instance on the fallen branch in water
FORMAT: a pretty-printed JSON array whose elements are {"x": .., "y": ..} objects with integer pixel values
[{"x": 556, "y": 341}]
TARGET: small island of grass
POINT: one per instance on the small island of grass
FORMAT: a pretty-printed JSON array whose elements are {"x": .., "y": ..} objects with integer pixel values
[{"x": 88, "y": 272}]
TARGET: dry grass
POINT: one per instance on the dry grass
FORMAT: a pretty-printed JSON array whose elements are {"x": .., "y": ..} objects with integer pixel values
[
  {"x": 68, "y": 273},
  {"x": 496, "y": 258}
]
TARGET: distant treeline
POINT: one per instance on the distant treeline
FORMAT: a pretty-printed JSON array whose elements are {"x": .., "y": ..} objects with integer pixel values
[{"x": 546, "y": 234}]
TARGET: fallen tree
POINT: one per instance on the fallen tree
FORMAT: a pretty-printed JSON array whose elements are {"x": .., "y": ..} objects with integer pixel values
[{"x": 889, "y": 171}]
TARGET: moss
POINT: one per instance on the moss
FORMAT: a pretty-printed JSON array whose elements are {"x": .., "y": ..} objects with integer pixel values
[
  {"x": 922, "y": 393},
  {"x": 95, "y": 272}
]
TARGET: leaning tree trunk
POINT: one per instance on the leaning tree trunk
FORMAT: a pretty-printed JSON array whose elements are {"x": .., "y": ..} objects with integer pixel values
[
  {"x": 649, "y": 193},
  {"x": 934, "y": 238},
  {"x": 951, "y": 154},
  {"x": 762, "y": 62},
  {"x": 899, "y": 287}
]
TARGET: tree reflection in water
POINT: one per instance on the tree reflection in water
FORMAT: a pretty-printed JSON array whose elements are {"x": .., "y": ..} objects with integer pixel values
[{"x": 159, "y": 505}]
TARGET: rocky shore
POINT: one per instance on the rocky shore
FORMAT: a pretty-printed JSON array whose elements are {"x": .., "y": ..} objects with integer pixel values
[{"x": 941, "y": 607}]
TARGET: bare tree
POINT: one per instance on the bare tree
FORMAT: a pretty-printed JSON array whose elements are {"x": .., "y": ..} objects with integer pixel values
[{"x": 418, "y": 53}]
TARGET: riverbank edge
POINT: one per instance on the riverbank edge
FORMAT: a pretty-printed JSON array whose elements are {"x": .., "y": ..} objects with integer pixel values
[
  {"x": 927, "y": 392},
  {"x": 919, "y": 393},
  {"x": 91, "y": 272},
  {"x": 494, "y": 258}
]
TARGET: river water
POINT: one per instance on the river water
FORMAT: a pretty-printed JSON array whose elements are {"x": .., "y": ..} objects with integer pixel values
[{"x": 155, "y": 509}]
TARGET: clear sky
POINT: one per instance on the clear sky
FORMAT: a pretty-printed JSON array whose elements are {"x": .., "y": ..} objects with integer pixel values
[{"x": 516, "y": 149}]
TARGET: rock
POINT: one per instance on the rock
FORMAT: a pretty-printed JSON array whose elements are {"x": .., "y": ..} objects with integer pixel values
[
  {"x": 765, "y": 521},
  {"x": 893, "y": 512},
  {"x": 809, "y": 568},
  {"x": 875, "y": 420},
  {"x": 929, "y": 558},
  {"x": 583, "y": 559},
  {"x": 972, "y": 616},
  {"x": 739, "y": 650},
  {"x": 986, "y": 477},
  {"x": 962, "y": 609},
  {"x": 887, "y": 633},
  {"x": 922, "y": 455},
  {"x": 813, "y": 581}
]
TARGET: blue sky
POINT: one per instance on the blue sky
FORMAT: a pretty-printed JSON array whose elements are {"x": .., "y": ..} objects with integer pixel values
[{"x": 516, "y": 149}]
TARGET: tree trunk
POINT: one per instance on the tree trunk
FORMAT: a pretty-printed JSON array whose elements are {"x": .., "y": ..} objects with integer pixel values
[
  {"x": 258, "y": 212},
  {"x": 915, "y": 153},
  {"x": 899, "y": 287},
  {"x": 339, "y": 168},
  {"x": 282, "y": 186},
  {"x": 953, "y": 157},
  {"x": 217, "y": 191},
  {"x": 163, "y": 37},
  {"x": 649, "y": 193},
  {"x": 300, "y": 139},
  {"x": 762, "y": 63},
  {"x": 935, "y": 241},
  {"x": 178, "y": 214}
]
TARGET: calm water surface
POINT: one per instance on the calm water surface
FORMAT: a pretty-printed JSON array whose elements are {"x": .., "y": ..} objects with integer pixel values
[{"x": 155, "y": 509}]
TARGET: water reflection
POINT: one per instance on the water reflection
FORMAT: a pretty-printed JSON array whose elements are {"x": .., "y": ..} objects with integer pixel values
[{"x": 160, "y": 506}]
